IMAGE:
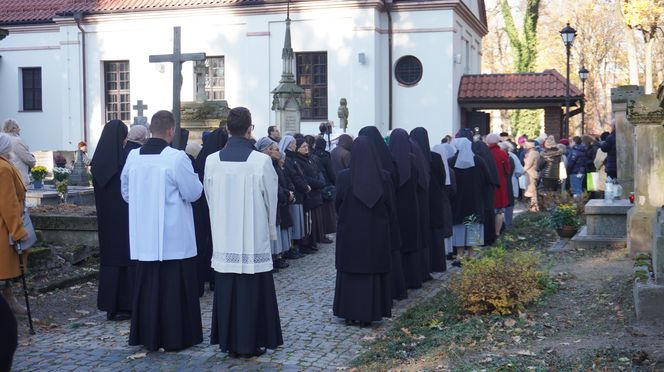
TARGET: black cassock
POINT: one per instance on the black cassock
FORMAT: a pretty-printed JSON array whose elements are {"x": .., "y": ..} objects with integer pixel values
[
  {"x": 165, "y": 294},
  {"x": 116, "y": 270},
  {"x": 245, "y": 315},
  {"x": 363, "y": 288},
  {"x": 471, "y": 185},
  {"x": 482, "y": 150}
]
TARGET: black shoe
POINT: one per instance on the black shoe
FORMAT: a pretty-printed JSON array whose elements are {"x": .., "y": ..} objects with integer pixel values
[
  {"x": 327, "y": 241},
  {"x": 450, "y": 256},
  {"x": 292, "y": 255},
  {"x": 281, "y": 263},
  {"x": 456, "y": 263},
  {"x": 307, "y": 250},
  {"x": 259, "y": 351},
  {"x": 365, "y": 324}
]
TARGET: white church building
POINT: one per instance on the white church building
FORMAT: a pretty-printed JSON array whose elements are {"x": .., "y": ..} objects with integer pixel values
[{"x": 69, "y": 66}]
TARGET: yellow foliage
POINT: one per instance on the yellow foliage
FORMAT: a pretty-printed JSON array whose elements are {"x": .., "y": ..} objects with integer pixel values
[
  {"x": 498, "y": 282},
  {"x": 643, "y": 15}
]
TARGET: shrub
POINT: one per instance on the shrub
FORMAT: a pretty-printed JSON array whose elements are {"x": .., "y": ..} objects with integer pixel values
[
  {"x": 498, "y": 281},
  {"x": 562, "y": 215}
]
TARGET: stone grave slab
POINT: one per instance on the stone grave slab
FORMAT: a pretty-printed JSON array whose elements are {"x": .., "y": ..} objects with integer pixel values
[{"x": 606, "y": 225}]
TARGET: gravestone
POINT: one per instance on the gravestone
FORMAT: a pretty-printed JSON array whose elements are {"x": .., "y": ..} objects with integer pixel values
[
  {"x": 45, "y": 159},
  {"x": 606, "y": 225},
  {"x": 647, "y": 116},
  {"x": 649, "y": 287},
  {"x": 79, "y": 175},
  {"x": 620, "y": 98},
  {"x": 177, "y": 58},
  {"x": 287, "y": 97},
  {"x": 202, "y": 115},
  {"x": 140, "y": 119}
]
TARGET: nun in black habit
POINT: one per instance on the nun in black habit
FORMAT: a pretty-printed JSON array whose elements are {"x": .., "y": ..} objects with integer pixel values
[
  {"x": 407, "y": 207},
  {"x": 437, "y": 221},
  {"x": 116, "y": 270},
  {"x": 424, "y": 228},
  {"x": 365, "y": 205},
  {"x": 214, "y": 142},
  {"x": 399, "y": 290}
]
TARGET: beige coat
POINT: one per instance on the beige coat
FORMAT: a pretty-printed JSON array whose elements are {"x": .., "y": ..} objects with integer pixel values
[
  {"x": 599, "y": 165},
  {"x": 530, "y": 167},
  {"x": 12, "y": 196},
  {"x": 21, "y": 157}
]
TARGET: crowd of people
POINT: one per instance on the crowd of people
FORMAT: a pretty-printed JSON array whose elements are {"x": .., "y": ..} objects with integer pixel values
[{"x": 234, "y": 211}]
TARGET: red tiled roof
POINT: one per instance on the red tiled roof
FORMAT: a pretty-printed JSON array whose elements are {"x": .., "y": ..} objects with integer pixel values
[
  {"x": 549, "y": 84},
  {"x": 104, "y": 6},
  {"x": 29, "y": 11}
]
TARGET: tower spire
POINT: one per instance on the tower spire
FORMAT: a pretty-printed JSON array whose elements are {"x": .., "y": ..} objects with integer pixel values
[{"x": 287, "y": 55}]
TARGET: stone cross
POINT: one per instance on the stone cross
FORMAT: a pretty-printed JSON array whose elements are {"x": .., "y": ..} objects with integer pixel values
[
  {"x": 177, "y": 58},
  {"x": 140, "y": 119}
]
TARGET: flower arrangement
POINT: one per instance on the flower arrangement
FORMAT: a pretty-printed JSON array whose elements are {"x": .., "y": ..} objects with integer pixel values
[
  {"x": 61, "y": 174},
  {"x": 61, "y": 177},
  {"x": 563, "y": 218},
  {"x": 39, "y": 172}
]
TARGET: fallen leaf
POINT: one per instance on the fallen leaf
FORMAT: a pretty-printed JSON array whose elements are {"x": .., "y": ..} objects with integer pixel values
[
  {"x": 509, "y": 322},
  {"x": 137, "y": 356},
  {"x": 525, "y": 352},
  {"x": 82, "y": 312},
  {"x": 368, "y": 338}
]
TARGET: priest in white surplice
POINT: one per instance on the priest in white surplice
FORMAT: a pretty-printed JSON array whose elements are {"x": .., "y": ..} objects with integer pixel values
[
  {"x": 159, "y": 184},
  {"x": 241, "y": 189}
]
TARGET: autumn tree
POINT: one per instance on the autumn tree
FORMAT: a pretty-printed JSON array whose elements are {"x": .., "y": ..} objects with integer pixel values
[
  {"x": 524, "y": 55},
  {"x": 645, "y": 16}
]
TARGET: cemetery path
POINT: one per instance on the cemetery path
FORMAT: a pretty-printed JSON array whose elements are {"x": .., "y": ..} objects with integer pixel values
[{"x": 314, "y": 339}]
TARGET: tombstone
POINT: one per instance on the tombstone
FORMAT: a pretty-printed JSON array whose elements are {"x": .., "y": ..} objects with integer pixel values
[
  {"x": 202, "y": 115},
  {"x": 649, "y": 286},
  {"x": 620, "y": 98},
  {"x": 606, "y": 225},
  {"x": 287, "y": 97},
  {"x": 45, "y": 158},
  {"x": 177, "y": 58},
  {"x": 647, "y": 116},
  {"x": 79, "y": 175},
  {"x": 140, "y": 119}
]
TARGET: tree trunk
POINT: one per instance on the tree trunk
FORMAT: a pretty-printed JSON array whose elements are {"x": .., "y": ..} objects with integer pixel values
[
  {"x": 632, "y": 56},
  {"x": 648, "y": 77}
]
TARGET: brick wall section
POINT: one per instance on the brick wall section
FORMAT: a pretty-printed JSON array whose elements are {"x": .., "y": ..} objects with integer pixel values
[{"x": 553, "y": 121}]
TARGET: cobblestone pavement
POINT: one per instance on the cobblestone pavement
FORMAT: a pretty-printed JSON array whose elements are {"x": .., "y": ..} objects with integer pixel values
[{"x": 314, "y": 339}]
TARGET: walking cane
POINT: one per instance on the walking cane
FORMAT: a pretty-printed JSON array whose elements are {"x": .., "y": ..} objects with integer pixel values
[{"x": 17, "y": 246}]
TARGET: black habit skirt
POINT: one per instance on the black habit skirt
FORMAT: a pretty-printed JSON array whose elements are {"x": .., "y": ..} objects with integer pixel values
[
  {"x": 329, "y": 218},
  {"x": 317, "y": 234},
  {"x": 166, "y": 311},
  {"x": 205, "y": 272},
  {"x": 362, "y": 297},
  {"x": 397, "y": 279},
  {"x": 245, "y": 315},
  {"x": 489, "y": 227},
  {"x": 438, "y": 263},
  {"x": 116, "y": 288},
  {"x": 412, "y": 269}
]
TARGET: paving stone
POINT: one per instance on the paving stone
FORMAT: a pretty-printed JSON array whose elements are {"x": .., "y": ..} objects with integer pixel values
[{"x": 313, "y": 338}]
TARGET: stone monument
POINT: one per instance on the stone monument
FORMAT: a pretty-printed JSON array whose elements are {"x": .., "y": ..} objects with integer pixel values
[
  {"x": 342, "y": 112},
  {"x": 140, "y": 119},
  {"x": 202, "y": 114},
  {"x": 287, "y": 97},
  {"x": 646, "y": 113},
  {"x": 79, "y": 175},
  {"x": 620, "y": 98}
]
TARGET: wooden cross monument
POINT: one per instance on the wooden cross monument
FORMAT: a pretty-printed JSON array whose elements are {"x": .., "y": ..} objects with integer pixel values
[
  {"x": 139, "y": 106},
  {"x": 177, "y": 58}
]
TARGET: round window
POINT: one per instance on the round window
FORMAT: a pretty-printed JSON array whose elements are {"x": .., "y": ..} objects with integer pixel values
[{"x": 408, "y": 70}]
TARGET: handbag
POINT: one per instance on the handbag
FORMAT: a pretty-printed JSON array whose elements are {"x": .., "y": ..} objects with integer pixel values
[{"x": 27, "y": 225}]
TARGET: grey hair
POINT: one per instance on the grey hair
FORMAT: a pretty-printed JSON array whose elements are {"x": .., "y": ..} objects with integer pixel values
[
  {"x": 10, "y": 126},
  {"x": 506, "y": 146}
]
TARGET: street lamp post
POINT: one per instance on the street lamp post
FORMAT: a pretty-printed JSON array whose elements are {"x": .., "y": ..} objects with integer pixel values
[
  {"x": 568, "y": 34},
  {"x": 583, "y": 75}
]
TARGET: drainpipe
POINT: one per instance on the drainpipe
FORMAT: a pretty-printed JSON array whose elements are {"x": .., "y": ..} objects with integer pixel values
[
  {"x": 78, "y": 17},
  {"x": 387, "y": 4}
]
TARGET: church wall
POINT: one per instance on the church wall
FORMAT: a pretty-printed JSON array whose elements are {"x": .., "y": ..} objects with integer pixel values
[
  {"x": 429, "y": 36},
  {"x": 53, "y": 51}
]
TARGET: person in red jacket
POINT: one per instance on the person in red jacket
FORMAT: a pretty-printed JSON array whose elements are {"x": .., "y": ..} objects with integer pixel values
[{"x": 503, "y": 165}]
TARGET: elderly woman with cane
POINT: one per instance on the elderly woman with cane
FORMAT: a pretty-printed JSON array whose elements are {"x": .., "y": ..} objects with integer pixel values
[{"x": 12, "y": 196}]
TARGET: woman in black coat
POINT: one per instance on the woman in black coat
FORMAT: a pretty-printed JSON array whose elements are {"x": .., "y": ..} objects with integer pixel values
[
  {"x": 325, "y": 165},
  {"x": 293, "y": 172},
  {"x": 116, "y": 269},
  {"x": 437, "y": 221},
  {"x": 407, "y": 207},
  {"x": 365, "y": 205},
  {"x": 314, "y": 199}
]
